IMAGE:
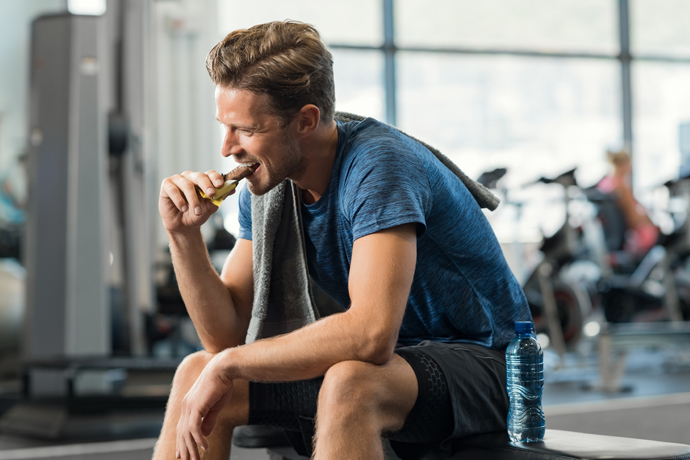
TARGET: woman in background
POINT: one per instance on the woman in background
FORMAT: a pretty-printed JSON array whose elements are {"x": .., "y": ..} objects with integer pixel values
[{"x": 642, "y": 234}]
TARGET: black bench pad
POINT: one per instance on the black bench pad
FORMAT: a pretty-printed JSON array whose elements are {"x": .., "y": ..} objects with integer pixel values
[{"x": 561, "y": 445}]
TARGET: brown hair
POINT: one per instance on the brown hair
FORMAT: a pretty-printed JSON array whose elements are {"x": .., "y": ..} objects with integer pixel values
[
  {"x": 618, "y": 158},
  {"x": 285, "y": 60}
]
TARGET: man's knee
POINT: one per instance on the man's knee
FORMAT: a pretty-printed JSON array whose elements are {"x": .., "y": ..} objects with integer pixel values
[
  {"x": 187, "y": 373},
  {"x": 349, "y": 386},
  {"x": 190, "y": 368}
]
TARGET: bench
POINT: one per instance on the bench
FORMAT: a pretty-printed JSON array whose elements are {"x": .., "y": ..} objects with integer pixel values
[{"x": 557, "y": 445}]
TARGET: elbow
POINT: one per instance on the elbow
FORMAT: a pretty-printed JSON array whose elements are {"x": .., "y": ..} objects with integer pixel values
[
  {"x": 215, "y": 342},
  {"x": 378, "y": 348}
]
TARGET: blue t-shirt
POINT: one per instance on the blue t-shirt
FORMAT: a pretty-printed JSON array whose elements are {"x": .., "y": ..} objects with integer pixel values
[{"x": 463, "y": 290}]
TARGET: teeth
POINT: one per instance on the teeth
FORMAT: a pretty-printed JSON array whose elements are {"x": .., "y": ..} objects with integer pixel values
[{"x": 245, "y": 164}]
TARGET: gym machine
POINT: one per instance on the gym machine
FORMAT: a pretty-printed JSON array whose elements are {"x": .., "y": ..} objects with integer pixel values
[{"x": 85, "y": 168}]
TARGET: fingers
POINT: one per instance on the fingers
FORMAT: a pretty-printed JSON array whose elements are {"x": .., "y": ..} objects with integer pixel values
[
  {"x": 171, "y": 191},
  {"x": 180, "y": 448},
  {"x": 190, "y": 447},
  {"x": 182, "y": 192},
  {"x": 199, "y": 412},
  {"x": 189, "y": 433},
  {"x": 201, "y": 180},
  {"x": 181, "y": 189},
  {"x": 216, "y": 178},
  {"x": 209, "y": 420},
  {"x": 195, "y": 430}
]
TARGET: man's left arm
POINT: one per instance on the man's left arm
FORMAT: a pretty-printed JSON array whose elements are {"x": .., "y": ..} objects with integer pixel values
[{"x": 380, "y": 278}]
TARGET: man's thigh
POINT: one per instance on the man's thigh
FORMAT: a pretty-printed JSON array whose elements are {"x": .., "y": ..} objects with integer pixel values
[{"x": 391, "y": 389}]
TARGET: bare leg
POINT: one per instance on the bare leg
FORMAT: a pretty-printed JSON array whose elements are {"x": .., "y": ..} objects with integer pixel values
[
  {"x": 358, "y": 401},
  {"x": 234, "y": 414}
]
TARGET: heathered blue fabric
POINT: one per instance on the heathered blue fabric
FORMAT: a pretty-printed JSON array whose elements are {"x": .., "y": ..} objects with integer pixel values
[{"x": 463, "y": 290}]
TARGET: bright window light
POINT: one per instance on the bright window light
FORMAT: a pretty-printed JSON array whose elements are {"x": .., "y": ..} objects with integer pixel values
[{"x": 89, "y": 7}]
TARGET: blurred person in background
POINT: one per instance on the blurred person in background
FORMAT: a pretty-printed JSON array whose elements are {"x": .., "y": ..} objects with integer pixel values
[{"x": 641, "y": 232}]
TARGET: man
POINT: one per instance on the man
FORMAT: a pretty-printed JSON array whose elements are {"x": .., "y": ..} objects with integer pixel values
[{"x": 390, "y": 233}]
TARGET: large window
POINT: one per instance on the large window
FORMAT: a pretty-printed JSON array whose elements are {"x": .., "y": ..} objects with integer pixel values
[
  {"x": 660, "y": 40},
  {"x": 660, "y": 28},
  {"x": 538, "y": 25},
  {"x": 532, "y": 115},
  {"x": 537, "y": 86},
  {"x": 661, "y": 105}
]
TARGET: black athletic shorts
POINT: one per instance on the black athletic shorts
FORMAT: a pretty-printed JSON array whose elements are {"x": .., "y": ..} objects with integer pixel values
[
  {"x": 476, "y": 378},
  {"x": 462, "y": 392}
]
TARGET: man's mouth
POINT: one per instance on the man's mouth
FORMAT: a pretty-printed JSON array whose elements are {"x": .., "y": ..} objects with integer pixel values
[
  {"x": 242, "y": 171},
  {"x": 253, "y": 165}
]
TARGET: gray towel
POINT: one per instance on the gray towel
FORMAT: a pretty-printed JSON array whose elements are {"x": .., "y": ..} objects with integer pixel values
[{"x": 283, "y": 299}]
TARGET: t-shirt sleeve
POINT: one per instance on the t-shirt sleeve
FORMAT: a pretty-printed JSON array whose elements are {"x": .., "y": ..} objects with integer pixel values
[
  {"x": 386, "y": 188},
  {"x": 245, "y": 213}
]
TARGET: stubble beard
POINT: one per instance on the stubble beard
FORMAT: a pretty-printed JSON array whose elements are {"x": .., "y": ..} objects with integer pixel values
[{"x": 291, "y": 167}]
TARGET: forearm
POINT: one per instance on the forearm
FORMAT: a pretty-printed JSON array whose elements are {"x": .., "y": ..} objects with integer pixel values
[
  {"x": 310, "y": 351},
  {"x": 209, "y": 302},
  {"x": 381, "y": 273}
]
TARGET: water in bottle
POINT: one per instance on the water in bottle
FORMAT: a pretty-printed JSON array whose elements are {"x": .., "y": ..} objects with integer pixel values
[{"x": 525, "y": 381}]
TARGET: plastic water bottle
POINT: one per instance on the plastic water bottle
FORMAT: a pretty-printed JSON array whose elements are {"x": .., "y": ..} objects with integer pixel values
[{"x": 525, "y": 381}]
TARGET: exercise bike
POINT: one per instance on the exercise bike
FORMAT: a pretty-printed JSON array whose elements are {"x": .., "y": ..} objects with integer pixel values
[
  {"x": 558, "y": 300},
  {"x": 642, "y": 288}
]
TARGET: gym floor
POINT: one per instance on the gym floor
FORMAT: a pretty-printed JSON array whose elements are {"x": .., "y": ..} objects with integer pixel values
[{"x": 654, "y": 404}]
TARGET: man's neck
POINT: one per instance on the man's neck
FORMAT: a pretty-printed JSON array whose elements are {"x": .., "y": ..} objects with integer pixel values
[{"x": 320, "y": 152}]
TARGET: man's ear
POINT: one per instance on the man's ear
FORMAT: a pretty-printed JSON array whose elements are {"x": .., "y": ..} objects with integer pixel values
[{"x": 307, "y": 120}]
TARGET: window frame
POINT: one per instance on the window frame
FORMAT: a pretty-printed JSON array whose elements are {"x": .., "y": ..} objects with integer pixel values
[{"x": 625, "y": 59}]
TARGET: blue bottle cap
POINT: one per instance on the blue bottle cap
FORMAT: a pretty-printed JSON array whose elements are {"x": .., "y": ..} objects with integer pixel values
[{"x": 523, "y": 327}]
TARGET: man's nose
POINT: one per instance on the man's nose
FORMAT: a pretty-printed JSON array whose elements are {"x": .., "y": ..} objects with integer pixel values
[{"x": 230, "y": 145}]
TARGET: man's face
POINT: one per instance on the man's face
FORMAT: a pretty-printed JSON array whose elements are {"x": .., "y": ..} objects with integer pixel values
[{"x": 254, "y": 135}]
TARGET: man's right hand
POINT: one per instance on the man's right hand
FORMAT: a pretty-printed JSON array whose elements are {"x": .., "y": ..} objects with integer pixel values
[
  {"x": 219, "y": 305},
  {"x": 180, "y": 205}
]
